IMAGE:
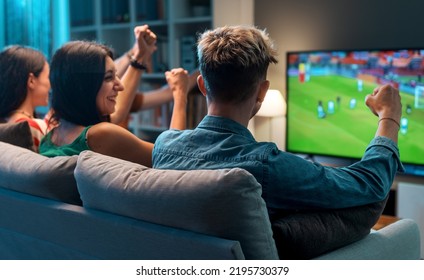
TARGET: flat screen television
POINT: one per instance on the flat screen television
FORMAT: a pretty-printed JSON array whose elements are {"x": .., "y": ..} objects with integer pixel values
[{"x": 326, "y": 111}]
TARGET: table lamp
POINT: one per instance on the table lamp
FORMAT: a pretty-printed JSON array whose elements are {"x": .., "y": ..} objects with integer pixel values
[
  {"x": 273, "y": 105},
  {"x": 272, "y": 119}
]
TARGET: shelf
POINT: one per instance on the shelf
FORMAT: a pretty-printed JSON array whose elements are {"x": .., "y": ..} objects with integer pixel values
[
  {"x": 153, "y": 23},
  {"x": 113, "y": 26},
  {"x": 84, "y": 28},
  {"x": 90, "y": 35},
  {"x": 154, "y": 76},
  {"x": 204, "y": 19}
]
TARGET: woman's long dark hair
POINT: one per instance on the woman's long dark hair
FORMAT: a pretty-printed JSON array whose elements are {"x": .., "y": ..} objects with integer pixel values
[
  {"x": 16, "y": 63},
  {"x": 76, "y": 74}
]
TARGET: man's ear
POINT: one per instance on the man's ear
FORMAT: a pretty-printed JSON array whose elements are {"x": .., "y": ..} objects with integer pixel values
[
  {"x": 263, "y": 88},
  {"x": 201, "y": 85}
]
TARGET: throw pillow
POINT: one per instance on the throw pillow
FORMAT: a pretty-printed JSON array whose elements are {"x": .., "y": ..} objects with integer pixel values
[
  {"x": 306, "y": 235},
  {"x": 18, "y": 134},
  {"x": 28, "y": 172},
  {"x": 223, "y": 203}
]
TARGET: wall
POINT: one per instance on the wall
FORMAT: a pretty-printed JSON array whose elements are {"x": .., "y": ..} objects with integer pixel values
[
  {"x": 2, "y": 23},
  {"x": 339, "y": 24},
  {"x": 233, "y": 12}
]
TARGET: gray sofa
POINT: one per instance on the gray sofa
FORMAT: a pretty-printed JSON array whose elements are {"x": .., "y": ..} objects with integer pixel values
[{"x": 96, "y": 207}]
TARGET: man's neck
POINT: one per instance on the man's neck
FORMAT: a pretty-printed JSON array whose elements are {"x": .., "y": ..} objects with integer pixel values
[{"x": 235, "y": 113}]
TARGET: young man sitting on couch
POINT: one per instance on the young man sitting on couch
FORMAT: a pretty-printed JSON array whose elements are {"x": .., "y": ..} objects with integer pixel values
[{"x": 233, "y": 66}]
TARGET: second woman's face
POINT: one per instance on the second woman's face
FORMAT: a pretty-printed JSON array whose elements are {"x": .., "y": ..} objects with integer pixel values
[
  {"x": 106, "y": 97},
  {"x": 41, "y": 87}
]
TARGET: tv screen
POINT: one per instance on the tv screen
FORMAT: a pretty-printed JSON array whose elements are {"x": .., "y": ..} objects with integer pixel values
[{"x": 326, "y": 111}]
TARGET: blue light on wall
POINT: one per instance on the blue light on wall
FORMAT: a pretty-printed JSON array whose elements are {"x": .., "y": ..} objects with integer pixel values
[
  {"x": 28, "y": 22},
  {"x": 2, "y": 22}
]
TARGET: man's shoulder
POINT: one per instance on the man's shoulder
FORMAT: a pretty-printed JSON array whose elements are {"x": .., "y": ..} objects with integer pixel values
[
  {"x": 172, "y": 134},
  {"x": 171, "y": 138}
]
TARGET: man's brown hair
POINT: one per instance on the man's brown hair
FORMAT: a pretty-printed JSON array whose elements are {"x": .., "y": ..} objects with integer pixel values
[{"x": 233, "y": 60}]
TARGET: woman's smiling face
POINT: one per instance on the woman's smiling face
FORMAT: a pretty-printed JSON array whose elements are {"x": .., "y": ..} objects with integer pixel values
[{"x": 106, "y": 97}]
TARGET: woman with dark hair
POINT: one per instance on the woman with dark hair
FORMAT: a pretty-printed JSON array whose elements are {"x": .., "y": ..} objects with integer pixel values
[
  {"x": 89, "y": 100},
  {"x": 24, "y": 85}
]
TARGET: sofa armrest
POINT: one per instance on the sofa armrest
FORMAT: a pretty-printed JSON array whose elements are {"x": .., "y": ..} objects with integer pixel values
[{"x": 397, "y": 241}]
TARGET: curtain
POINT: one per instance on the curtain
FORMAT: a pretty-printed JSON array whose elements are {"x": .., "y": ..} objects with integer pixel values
[{"x": 28, "y": 22}]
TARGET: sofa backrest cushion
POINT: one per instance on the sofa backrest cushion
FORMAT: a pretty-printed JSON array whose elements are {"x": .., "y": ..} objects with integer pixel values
[
  {"x": 18, "y": 134},
  {"x": 25, "y": 171},
  {"x": 223, "y": 203}
]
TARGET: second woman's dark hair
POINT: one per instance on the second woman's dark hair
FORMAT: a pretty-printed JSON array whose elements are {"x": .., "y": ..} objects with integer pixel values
[
  {"x": 76, "y": 74},
  {"x": 16, "y": 64}
]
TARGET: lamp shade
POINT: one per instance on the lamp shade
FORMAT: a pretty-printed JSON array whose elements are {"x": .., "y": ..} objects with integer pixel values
[{"x": 273, "y": 105}]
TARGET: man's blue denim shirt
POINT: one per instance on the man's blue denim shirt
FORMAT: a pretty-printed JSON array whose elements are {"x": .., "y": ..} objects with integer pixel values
[{"x": 288, "y": 181}]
